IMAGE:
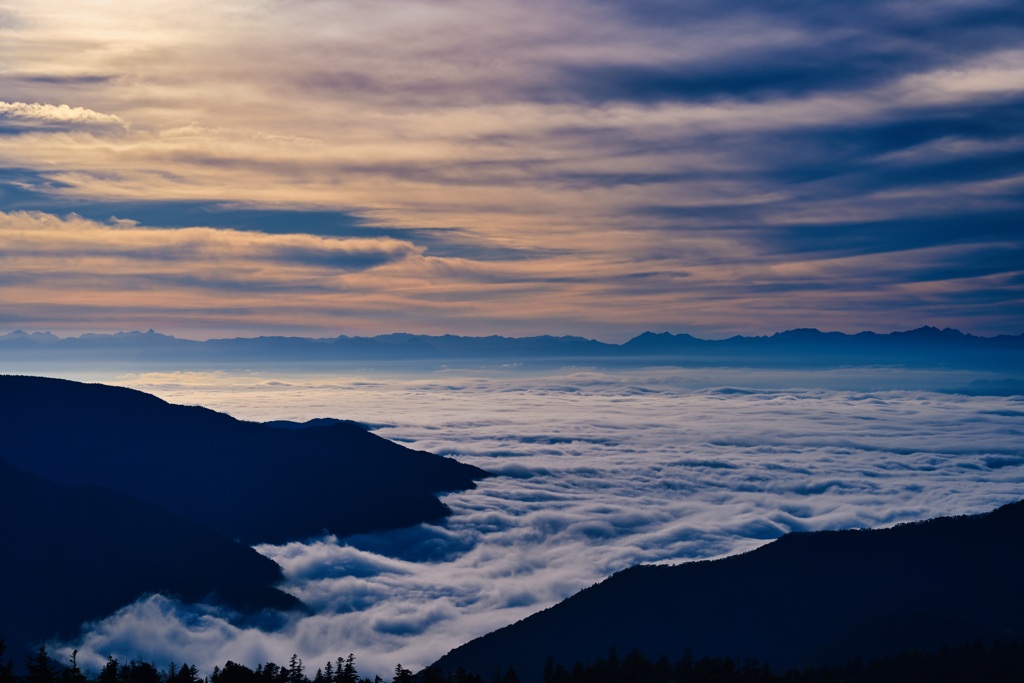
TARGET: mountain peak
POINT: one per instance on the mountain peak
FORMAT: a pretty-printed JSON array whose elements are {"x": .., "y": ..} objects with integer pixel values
[{"x": 648, "y": 338}]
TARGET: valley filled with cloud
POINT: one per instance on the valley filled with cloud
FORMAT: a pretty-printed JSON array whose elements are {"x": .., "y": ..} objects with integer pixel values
[
  {"x": 595, "y": 471},
  {"x": 275, "y": 183}
]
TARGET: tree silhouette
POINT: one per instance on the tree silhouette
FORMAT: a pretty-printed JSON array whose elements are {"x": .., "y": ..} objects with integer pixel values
[
  {"x": 6, "y": 670},
  {"x": 71, "y": 672},
  {"x": 295, "y": 670},
  {"x": 108, "y": 674},
  {"x": 345, "y": 671},
  {"x": 234, "y": 673},
  {"x": 39, "y": 667}
]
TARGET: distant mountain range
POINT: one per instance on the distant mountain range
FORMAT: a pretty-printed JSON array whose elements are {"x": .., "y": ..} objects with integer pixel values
[
  {"x": 925, "y": 346},
  {"x": 108, "y": 493},
  {"x": 804, "y": 599}
]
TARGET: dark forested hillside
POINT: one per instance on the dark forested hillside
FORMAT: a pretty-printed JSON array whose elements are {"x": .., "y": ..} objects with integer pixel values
[
  {"x": 805, "y": 599},
  {"x": 107, "y": 494},
  {"x": 253, "y": 482},
  {"x": 74, "y": 554}
]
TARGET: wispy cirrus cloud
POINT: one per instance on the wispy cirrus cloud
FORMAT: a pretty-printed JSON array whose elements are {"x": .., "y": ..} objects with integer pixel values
[
  {"x": 123, "y": 269},
  {"x": 78, "y": 271},
  {"x": 29, "y": 236},
  {"x": 608, "y": 130}
]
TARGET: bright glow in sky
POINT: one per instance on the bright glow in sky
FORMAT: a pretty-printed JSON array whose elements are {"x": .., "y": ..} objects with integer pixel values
[{"x": 597, "y": 168}]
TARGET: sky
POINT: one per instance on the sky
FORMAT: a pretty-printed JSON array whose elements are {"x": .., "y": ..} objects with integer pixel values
[
  {"x": 596, "y": 471},
  {"x": 590, "y": 167}
]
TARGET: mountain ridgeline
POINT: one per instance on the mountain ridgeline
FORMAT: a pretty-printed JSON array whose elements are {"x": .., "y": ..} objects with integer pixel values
[
  {"x": 109, "y": 494},
  {"x": 806, "y": 599},
  {"x": 251, "y": 481},
  {"x": 922, "y": 347}
]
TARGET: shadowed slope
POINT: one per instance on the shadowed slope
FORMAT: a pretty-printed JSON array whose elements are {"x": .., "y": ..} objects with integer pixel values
[
  {"x": 75, "y": 554},
  {"x": 253, "y": 482},
  {"x": 807, "y": 598}
]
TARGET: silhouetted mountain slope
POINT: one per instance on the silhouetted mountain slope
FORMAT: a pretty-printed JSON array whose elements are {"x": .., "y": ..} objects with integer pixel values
[
  {"x": 73, "y": 554},
  {"x": 253, "y": 482},
  {"x": 925, "y": 346},
  {"x": 806, "y": 598}
]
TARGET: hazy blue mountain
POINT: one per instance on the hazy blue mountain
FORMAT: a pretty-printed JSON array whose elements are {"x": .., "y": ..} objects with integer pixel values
[
  {"x": 806, "y": 598},
  {"x": 992, "y": 387},
  {"x": 250, "y": 481},
  {"x": 923, "y": 347},
  {"x": 20, "y": 337},
  {"x": 73, "y": 554}
]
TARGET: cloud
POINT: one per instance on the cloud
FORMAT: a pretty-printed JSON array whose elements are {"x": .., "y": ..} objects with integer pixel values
[
  {"x": 9, "y": 19},
  {"x": 607, "y": 469},
  {"x": 64, "y": 274},
  {"x": 122, "y": 267},
  {"x": 46, "y": 114},
  {"x": 669, "y": 162}
]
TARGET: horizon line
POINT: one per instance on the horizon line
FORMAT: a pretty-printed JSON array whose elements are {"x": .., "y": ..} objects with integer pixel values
[{"x": 151, "y": 331}]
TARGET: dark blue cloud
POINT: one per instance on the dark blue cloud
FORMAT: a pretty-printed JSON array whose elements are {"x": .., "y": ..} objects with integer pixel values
[
  {"x": 843, "y": 47},
  {"x": 862, "y": 237},
  {"x": 788, "y": 73},
  {"x": 66, "y": 80},
  {"x": 963, "y": 25}
]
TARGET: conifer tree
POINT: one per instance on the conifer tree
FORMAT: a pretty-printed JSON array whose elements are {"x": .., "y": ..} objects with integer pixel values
[
  {"x": 347, "y": 673},
  {"x": 189, "y": 674},
  {"x": 270, "y": 673},
  {"x": 109, "y": 672},
  {"x": 71, "y": 672},
  {"x": 39, "y": 668},
  {"x": 6, "y": 669},
  {"x": 295, "y": 670}
]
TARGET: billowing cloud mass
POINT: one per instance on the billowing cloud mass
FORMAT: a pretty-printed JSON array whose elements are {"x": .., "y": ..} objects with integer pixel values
[
  {"x": 598, "y": 167},
  {"x": 597, "y": 471}
]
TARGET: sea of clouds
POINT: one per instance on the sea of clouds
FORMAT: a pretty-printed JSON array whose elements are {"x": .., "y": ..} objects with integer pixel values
[{"x": 597, "y": 471}]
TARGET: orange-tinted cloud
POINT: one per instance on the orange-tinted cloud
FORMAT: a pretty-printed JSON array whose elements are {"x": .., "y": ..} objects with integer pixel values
[{"x": 678, "y": 165}]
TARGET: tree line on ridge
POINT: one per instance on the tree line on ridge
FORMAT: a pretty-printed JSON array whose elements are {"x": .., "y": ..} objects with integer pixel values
[{"x": 995, "y": 662}]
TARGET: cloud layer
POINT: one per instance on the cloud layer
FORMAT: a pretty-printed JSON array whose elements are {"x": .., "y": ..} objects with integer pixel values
[
  {"x": 729, "y": 168},
  {"x": 598, "y": 471}
]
